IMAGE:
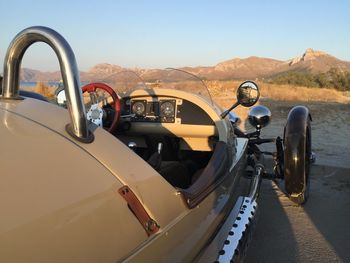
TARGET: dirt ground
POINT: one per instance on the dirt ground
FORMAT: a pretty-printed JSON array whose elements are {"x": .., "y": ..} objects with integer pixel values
[{"x": 318, "y": 231}]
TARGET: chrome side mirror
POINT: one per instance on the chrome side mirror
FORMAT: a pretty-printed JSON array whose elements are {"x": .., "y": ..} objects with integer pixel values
[
  {"x": 248, "y": 93},
  {"x": 259, "y": 116}
]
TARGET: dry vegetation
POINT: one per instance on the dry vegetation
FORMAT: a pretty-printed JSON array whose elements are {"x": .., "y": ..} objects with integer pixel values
[
  {"x": 224, "y": 94},
  {"x": 293, "y": 93},
  {"x": 46, "y": 91},
  {"x": 223, "y": 89}
]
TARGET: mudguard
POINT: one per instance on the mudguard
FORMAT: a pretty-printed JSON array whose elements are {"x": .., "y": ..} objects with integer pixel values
[{"x": 297, "y": 154}]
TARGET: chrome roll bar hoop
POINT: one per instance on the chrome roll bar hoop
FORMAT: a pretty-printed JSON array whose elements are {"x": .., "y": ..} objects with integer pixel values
[{"x": 78, "y": 128}]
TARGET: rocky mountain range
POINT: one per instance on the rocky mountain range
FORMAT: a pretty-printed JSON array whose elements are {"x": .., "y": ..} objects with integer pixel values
[{"x": 237, "y": 68}]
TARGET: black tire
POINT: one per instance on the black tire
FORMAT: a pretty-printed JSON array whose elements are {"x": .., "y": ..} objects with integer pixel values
[{"x": 297, "y": 154}]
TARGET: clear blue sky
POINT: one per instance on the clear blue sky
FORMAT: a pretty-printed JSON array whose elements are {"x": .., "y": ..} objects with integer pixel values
[{"x": 157, "y": 34}]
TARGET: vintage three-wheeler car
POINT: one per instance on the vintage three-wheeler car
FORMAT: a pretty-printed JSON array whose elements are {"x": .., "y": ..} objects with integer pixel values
[{"x": 155, "y": 174}]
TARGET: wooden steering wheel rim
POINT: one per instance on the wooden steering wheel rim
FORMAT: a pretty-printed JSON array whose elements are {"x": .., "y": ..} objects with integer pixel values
[{"x": 91, "y": 87}]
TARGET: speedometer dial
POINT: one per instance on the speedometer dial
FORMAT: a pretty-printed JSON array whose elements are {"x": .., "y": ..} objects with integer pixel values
[
  {"x": 167, "y": 109},
  {"x": 138, "y": 108}
]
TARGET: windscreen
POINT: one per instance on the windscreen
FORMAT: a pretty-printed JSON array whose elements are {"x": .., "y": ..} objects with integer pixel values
[{"x": 169, "y": 78}]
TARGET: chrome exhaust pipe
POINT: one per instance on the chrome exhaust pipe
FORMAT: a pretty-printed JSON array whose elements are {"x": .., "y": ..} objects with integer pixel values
[{"x": 78, "y": 128}]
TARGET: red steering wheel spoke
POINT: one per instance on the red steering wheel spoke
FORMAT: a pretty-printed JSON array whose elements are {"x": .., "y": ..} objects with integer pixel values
[{"x": 92, "y": 87}]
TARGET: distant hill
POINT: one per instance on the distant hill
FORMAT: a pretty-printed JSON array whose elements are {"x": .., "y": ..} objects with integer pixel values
[
  {"x": 29, "y": 75},
  {"x": 251, "y": 67},
  {"x": 247, "y": 68},
  {"x": 315, "y": 62},
  {"x": 255, "y": 67}
]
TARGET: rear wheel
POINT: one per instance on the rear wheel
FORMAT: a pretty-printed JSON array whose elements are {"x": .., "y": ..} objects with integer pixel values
[{"x": 297, "y": 154}]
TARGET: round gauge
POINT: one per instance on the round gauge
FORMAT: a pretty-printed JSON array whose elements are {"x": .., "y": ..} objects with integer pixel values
[
  {"x": 167, "y": 109},
  {"x": 138, "y": 108}
]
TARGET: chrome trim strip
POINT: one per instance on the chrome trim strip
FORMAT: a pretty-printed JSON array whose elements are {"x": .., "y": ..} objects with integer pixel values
[
  {"x": 256, "y": 180},
  {"x": 69, "y": 70},
  {"x": 231, "y": 248},
  {"x": 241, "y": 147},
  {"x": 238, "y": 232}
]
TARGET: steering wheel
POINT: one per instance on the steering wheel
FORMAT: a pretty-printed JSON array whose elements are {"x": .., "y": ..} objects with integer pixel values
[{"x": 109, "y": 114}]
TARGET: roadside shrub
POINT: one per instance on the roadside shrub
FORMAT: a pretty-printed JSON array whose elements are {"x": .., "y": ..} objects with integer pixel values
[
  {"x": 44, "y": 90},
  {"x": 334, "y": 78}
]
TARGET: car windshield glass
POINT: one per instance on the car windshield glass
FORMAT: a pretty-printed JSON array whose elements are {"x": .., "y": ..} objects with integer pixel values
[{"x": 169, "y": 78}]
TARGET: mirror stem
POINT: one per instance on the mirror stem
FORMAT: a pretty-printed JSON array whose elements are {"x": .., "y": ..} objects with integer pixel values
[{"x": 224, "y": 114}]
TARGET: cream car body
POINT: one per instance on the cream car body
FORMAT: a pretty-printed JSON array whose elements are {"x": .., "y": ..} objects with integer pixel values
[{"x": 62, "y": 177}]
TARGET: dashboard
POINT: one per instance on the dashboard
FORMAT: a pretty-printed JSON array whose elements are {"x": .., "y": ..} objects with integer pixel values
[
  {"x": 165, "y": 110},
  {"x": 154, "y": 111},
  {"x": 164, "y": 113}
]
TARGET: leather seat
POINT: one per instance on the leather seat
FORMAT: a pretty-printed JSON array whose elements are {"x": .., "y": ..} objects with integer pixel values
[{"x": 176, "y": 173}]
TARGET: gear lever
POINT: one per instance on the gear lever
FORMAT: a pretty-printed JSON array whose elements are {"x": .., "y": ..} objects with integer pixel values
[
  {"x": 160, "y": 147},
  {"x": 132, "y": 146},
  {"x": 156, "y": 158}
]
